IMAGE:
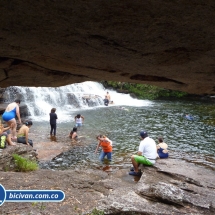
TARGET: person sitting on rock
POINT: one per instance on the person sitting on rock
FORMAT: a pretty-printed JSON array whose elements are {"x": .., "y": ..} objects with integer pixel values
[
  {"x": 22, "y": 135},
  {"x": 162, "y": 149},
  {"x": 5, "y": 136},
  {"x": 146, "y": 155}
]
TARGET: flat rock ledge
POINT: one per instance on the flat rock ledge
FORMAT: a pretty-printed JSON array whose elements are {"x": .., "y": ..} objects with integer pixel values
[{"x": 172, "y": 186}]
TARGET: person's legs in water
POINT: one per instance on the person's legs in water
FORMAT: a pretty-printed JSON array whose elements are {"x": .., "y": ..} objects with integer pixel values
[
  {"x": 109, "y": 156},
  {"x": 55, "y": 126},
  {"x": 78, "y": 124},
  {"x": 101, "y": 156},
  {"x": 52, "y": 128}
]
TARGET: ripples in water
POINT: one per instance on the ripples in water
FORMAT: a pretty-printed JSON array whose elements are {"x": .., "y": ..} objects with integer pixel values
[{"x": 190, "y": 140}]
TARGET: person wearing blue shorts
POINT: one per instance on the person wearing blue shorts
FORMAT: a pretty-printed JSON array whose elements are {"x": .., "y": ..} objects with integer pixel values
[
  {"x": 79, "y": 120},
  {"x": 146, "y": 155}
]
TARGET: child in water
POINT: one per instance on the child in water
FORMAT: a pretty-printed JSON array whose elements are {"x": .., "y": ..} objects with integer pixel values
[
  {"x": 189, "y": 117},
  {"x": 106, "y": 145},
  {"x": 162, "y": 149},
  {"x": 73, "y": 134},
  {"x": 79, "y": 120}
]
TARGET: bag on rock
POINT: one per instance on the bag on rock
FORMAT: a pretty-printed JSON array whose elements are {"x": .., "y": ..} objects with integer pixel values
[{"x": 2, "y": 142}]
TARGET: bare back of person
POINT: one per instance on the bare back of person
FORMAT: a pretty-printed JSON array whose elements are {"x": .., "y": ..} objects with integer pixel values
[
  {"x": 11, "y": 106},
  {"x": 163, "y": 145},
  {"x": 22, "y": 131}
]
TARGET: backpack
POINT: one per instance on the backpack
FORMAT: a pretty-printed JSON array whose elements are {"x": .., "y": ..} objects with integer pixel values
[{"x": 2, "y": 142}]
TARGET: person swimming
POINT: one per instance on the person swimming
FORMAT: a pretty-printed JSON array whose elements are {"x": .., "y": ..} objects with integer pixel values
[{"x": 189, "y": 117}]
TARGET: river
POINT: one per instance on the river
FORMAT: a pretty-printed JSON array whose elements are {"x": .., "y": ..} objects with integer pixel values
[{"x": 121, "y": 122}]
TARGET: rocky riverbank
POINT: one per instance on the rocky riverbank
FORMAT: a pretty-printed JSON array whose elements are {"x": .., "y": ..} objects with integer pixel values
[{"x": 172, "y": 186}]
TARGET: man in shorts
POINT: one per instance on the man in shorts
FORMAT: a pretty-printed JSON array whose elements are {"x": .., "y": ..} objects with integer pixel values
[{"x": 146, "y": 155}]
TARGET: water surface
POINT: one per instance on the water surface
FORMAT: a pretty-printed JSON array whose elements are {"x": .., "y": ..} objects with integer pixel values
[{"x": 190, "y": 140}]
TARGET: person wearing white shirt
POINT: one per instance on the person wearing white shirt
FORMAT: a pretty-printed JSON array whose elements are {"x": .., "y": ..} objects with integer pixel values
[{"x": 146, "y": 155}]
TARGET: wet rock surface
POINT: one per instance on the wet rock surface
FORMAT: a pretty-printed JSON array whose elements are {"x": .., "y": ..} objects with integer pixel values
[{"x": 172, "y": 186}]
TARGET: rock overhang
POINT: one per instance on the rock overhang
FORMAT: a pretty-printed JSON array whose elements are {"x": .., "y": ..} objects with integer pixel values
[{"x": 55, "y": 43}]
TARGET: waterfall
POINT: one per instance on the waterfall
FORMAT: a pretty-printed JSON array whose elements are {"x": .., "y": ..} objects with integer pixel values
[{"x": 40, "y": 100}]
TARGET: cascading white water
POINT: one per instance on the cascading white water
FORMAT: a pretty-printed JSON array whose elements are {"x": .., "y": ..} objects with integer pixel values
[{"x": 68, "y": 98}]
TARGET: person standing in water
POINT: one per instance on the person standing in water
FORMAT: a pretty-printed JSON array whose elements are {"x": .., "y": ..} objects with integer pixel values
[
  {"x": 106, "y": 101},
  {"x": 53, "y": 121},
  {"x": 108, "y": 96},
  {"x": 106, "y": 145},
  {"x": 22, "y": 135},
  {"x": 5, "y": 135},
  {"x": 79, "y": 120},
  {"x": 9, "y": 116}
]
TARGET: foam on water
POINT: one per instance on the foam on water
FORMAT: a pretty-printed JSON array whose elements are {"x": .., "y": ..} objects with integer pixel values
[{"x": 40, "y": 100}]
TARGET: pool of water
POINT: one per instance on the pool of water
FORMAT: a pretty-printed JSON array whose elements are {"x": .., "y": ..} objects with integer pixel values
[{"x": 190, "y": 140}]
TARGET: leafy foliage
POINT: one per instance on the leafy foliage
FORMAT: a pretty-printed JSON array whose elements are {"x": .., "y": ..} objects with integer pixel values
[
  {"x": 24, "y": 164},
  {"x": 96, "y": 212},
  {"x": 144, "y": 91}
]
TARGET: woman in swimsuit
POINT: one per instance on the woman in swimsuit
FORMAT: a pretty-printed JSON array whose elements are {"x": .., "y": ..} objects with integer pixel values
[
  {"x": 9, "y": 116},
  {"x": 162, "y": 149},
  {"x": 22, "y": 135}
]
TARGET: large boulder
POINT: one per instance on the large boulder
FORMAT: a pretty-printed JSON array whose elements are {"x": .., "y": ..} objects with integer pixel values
[{"x": 172, "y": 186}]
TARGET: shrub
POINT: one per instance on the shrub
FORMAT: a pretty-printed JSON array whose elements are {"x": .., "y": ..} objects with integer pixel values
[
  {"x": 24, "y": 164},
  {"x": 145, "y": 91},
  {"x": 96, "y": 212}
]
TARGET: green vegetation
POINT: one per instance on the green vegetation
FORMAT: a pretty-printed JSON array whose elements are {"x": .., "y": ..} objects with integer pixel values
[
  {"x": 144, "y": 91},
  {"x": 96, "y": 212},
  {"x": 24, "y": 164}
]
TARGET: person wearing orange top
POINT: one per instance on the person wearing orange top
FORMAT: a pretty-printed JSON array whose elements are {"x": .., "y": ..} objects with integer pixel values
[{"x": 106, "y": 145}]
